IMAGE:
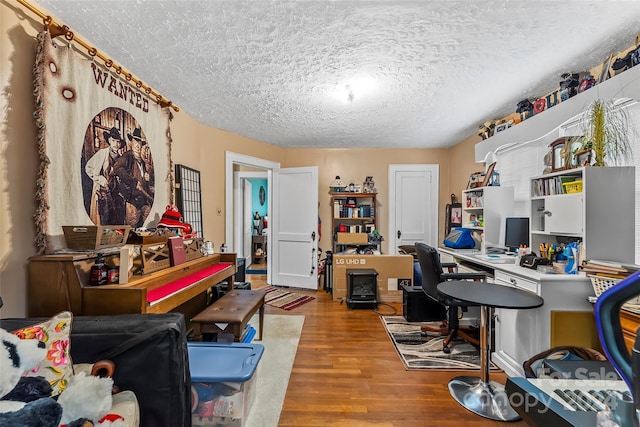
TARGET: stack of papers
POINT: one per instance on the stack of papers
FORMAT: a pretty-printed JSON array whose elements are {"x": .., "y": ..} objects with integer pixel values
[{"x": 497, "y": 258}]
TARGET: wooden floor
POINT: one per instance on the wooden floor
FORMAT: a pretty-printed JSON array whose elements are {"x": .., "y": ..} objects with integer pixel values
[{"x": 347, "y": 373}]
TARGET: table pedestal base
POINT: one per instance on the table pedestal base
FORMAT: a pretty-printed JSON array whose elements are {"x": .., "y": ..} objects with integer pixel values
[{"x": 486, "y": 399}]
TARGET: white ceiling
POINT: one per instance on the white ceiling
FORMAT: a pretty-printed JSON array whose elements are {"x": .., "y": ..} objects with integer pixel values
[{"x": 422, "y": 73}]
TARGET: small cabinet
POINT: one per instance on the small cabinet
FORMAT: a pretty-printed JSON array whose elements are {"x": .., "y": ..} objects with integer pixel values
[
  {"x": 354, "y": 217},
  {"x": 592, "y": 205},
  {"x": 258, "y": 249}
]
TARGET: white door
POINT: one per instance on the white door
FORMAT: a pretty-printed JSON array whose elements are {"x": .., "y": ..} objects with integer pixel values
[
  {"x": 413, "y": 205},
  {"x": 294, "y": 228}
]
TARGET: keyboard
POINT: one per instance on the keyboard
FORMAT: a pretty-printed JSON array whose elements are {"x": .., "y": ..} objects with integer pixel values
[
  {"x": 584, "y": 395},
  {"x": 539, "y": 404}
]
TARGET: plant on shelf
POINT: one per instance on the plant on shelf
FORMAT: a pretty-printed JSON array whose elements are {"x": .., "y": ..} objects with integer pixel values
[{"x": 606, "y": 128}]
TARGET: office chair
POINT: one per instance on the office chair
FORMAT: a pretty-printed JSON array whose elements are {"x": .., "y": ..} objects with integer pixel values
[{"x": 432, "y": 274}]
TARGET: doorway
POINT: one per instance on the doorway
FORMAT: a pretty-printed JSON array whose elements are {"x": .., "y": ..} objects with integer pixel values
[
  {"x": 252, "y": 219},
  {"x": 238, "y": 226},
  {"x": 292, "y": 199}
]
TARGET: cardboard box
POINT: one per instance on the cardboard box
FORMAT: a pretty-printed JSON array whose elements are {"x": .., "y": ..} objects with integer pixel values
[
  {"x": 222, "y": 382},
  {"x": 393, "y": 272},
  {"x": 352, "y": 238}
]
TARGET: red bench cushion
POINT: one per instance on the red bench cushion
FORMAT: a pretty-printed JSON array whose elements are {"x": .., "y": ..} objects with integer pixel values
[{"x": 172, "y": 287}]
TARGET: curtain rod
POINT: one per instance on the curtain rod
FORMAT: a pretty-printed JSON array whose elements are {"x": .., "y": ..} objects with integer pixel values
[{"x": 57, "y": 30}]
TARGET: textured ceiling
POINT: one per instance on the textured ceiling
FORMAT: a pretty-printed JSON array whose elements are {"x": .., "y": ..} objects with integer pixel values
[{"x": 351, "y": 73}]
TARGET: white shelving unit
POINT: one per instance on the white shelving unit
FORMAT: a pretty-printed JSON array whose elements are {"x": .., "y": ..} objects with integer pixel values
[
  {"x": 488, "y": 207},
  {"x": 599, "y": 211}
]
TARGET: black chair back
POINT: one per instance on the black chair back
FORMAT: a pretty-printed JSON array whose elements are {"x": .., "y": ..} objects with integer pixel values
[{"x": 431, "y": 268}]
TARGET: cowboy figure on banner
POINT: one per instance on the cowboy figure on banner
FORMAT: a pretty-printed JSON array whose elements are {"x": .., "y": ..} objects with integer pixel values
[
  {"x": 107, "y": 205},
  {"x": 134, "y": 170}
]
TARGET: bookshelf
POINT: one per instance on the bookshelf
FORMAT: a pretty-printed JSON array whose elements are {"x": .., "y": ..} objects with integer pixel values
[{"x": 353, "y": 217}]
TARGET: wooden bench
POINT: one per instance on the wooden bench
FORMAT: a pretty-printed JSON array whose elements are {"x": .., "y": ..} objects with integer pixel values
[{"x": 230, "y": 314}]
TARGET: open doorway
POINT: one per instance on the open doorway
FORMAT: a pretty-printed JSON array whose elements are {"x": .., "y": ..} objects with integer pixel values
[
  {"x": 292, "y": 198},
  {"x": 240, "y": 170},
  {"x": 252, "y": 218}
]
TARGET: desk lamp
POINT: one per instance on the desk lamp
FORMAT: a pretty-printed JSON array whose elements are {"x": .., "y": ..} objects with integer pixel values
[{"x": 607, "y": 312}]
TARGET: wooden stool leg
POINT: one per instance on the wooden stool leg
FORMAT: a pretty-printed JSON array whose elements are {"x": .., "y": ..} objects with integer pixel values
[{"x": 197, "y": 334}]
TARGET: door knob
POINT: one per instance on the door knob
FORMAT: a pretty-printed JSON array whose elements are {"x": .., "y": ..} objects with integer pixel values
[
  {"x": 399, "y": 233},
  {"x": 313, "y": 236}
]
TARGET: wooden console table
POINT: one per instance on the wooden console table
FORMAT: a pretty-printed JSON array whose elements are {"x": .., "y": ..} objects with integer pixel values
[{"x": 60, "y": 282}]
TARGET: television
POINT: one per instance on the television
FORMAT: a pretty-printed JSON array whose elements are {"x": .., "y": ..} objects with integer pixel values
[{"x": 516, "y": 233}]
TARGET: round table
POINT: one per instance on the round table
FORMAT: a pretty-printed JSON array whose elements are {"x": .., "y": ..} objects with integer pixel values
[{"x": 478, "y": 394}]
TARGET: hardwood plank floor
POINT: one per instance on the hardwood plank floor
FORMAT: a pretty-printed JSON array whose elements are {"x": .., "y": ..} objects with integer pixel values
[{"x": 347, "y": 373}]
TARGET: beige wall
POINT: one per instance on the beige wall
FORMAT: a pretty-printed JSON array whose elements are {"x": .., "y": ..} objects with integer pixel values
[
  {"x": 354, "y": 165},
  {"x": 195, "y": 145}
]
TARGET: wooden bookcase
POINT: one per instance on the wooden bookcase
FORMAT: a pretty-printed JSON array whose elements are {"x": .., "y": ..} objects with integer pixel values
[{"x": 358, "y": 213}]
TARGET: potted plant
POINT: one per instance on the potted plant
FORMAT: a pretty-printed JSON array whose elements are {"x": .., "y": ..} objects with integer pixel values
[{"x": 606, "y": 127}]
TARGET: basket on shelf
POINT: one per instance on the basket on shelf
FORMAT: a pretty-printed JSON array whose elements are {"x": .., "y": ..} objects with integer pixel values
[
  {"x": 601, "y": 284},
  {"x": 572, "y": 187}
]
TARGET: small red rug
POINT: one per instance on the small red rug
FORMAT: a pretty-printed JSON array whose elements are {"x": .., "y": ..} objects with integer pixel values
[{"x": 284, "y": 299}]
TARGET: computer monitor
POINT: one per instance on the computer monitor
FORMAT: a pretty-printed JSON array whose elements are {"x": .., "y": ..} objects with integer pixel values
[{"x": 516, "y": 233}]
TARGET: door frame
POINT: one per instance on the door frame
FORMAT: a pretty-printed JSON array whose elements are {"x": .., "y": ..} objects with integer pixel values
[
  {"x": 232, "y": 159},
  {"x": 238, "y": 179}
]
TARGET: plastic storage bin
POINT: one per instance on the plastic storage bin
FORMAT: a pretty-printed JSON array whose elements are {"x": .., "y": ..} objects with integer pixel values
[{"x": 222, "y": 377}]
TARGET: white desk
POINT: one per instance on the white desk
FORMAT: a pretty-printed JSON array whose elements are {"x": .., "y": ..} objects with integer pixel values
[{"x": 520, "y": 334}]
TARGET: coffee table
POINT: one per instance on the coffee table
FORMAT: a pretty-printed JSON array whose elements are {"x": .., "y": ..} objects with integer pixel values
[{"x": 478, "y": 394}]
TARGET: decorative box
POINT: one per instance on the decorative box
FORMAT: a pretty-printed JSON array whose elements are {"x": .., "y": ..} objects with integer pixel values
[{"x": 93, "y": 237}]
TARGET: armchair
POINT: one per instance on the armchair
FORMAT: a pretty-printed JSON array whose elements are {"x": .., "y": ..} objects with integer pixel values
[{"x": 432, "y": 274}]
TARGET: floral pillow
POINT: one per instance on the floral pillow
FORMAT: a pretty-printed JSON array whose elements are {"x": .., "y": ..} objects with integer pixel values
[{"x": 57, "y": 367}]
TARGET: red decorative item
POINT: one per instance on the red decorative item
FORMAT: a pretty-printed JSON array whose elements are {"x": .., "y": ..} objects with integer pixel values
[
  {"x": 539, "y": 106},
  {"x": 172, "y": 218}
]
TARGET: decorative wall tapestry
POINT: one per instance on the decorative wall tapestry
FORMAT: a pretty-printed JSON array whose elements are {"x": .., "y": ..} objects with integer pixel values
[{"x": 105, "y": 149}]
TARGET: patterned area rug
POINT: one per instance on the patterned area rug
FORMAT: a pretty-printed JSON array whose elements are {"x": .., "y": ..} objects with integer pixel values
[
  {"x": 285, "y": 299},
  {"x": 418, "y": 352}
]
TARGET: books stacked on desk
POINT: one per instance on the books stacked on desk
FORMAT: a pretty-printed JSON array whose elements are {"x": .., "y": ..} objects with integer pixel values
[
  {"x": 605, "y": 274},
  {"x": 608, "y": 269}
]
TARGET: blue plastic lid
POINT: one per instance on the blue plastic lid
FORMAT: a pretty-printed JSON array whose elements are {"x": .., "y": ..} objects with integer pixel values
[{"x": 223, "y": 362}]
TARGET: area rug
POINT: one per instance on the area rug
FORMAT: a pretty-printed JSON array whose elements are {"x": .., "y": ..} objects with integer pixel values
[
  {"x": 280, "y": 341},
  {"x": 418, "y": 352},
  {"x": 285, "y": 299}
]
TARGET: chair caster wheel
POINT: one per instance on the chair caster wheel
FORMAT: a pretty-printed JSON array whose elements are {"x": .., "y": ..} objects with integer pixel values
[{"x": 446, "y": 350}]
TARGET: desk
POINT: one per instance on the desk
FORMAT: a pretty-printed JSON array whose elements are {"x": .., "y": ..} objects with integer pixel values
[
  {"x": 480, "y": 395},
  {"x": 566, "y": 318}
]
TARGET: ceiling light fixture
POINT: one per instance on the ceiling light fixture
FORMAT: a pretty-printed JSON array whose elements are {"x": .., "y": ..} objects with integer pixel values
[{"x": 350, "y": 95}]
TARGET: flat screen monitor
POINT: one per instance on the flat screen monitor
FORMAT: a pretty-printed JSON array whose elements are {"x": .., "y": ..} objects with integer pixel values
[{"x": 516, "y": 233}]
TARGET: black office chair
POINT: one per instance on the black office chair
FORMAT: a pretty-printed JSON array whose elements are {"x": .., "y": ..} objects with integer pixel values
[{"x": 432, "y": 274}]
